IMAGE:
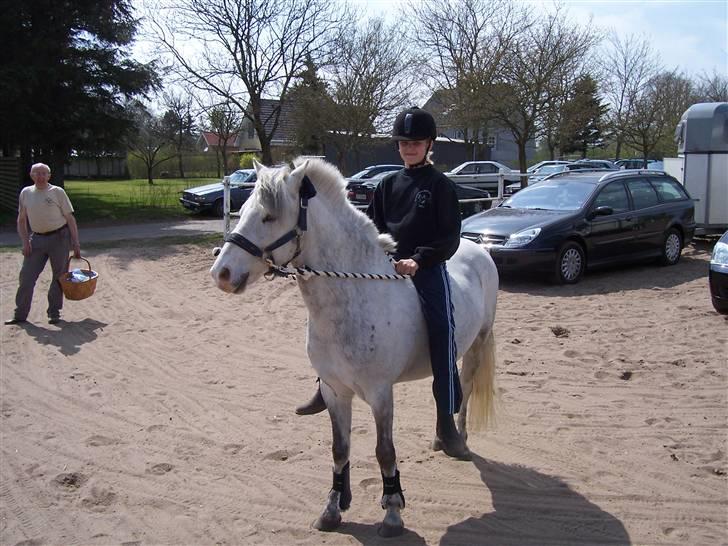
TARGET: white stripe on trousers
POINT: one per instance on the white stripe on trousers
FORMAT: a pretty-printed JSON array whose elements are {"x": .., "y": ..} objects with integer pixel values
[{"x": 452, "y": 357}]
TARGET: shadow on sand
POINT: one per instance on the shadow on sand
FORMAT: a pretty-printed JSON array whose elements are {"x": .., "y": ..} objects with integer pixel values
[
  {"x": 68, "y": 336},
  {"x": 531, "y": 508}
]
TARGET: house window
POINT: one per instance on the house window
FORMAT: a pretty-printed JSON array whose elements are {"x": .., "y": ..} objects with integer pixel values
[
  {"x": 251, "y": 131},
  {"x": 490, "y": 141}
]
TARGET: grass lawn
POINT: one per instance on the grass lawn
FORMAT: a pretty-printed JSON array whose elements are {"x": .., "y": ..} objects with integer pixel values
[{"x": 125, "y": 200}]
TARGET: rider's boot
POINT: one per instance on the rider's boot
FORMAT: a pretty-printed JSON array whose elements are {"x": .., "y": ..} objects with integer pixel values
[
  {"x": 449, "y": 439},
  {"x": 313, "y": 406}
]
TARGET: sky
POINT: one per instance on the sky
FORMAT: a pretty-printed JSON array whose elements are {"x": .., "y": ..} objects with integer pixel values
[{"x": 691, "y": 35}]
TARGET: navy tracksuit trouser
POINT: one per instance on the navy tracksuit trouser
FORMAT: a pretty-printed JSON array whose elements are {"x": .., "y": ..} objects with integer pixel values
[{"x": 433, "y": 287}]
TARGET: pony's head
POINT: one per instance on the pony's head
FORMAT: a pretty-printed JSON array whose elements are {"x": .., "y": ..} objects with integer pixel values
[{"x": 269, "y": 228}]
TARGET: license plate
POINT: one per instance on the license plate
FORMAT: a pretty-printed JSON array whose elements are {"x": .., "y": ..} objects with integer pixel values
[{"x": 361, "y": 196}]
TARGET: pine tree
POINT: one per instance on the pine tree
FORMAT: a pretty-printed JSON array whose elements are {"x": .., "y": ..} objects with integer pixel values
[
  {"x": 65, "y": 76},
  {"x": 583, "y": 118}
]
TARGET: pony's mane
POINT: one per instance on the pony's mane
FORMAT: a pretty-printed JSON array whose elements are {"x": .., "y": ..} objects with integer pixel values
[{"x": 331, "y": 186}]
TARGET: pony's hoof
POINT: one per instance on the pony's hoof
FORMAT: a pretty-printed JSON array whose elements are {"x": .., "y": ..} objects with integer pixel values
[
  {"x": 436, "y": 444},
  {"x": 387, "y": 530},
  {"x": 327, "y": 522}
]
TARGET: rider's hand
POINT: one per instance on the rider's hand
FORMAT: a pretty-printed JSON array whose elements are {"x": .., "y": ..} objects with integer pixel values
[
  {"x": 406, "y": 267},
  {"x": 27, "y": 248}
]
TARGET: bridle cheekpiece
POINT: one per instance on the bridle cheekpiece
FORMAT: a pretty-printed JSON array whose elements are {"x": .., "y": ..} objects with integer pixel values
[{"x": 306, "y": 192}]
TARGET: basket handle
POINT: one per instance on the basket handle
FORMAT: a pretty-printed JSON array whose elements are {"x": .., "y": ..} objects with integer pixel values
[{"x": 68, "y": 262}]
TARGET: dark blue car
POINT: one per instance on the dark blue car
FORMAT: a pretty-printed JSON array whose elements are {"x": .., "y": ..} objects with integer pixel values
[
  {"x": 576, "y": 220},
  {"x": 718, "y": 275},
  {"x": 210, "y": 197}
]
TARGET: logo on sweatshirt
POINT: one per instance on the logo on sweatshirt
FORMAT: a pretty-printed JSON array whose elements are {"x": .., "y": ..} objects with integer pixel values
[{"x": 423, "y": 199}]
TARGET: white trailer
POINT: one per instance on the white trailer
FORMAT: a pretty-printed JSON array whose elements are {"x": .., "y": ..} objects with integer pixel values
[{"x": 702, "y": 140}]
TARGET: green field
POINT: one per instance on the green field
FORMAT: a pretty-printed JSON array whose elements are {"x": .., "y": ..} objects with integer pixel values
[{"x": 125, "y": 200}]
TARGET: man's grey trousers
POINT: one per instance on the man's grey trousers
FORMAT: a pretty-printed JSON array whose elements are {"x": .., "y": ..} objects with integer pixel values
[{"x": 54, "y": 247}]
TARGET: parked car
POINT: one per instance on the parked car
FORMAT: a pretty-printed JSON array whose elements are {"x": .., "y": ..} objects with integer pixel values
[
  {"x": 546, "y": 163},
  {"x": 479, "y": 174},
  {"x": 718, "y": 275},
  {"x": 374, "y": 171},
  {"x": 210, "y": 197},
  {"x": 545, "y": 172},
  {"x": 575, "y": 220},
  {"x": 597, "y": 163},
  {"x": 652, "y": 164},
  {"x": 362, "y": 193}
]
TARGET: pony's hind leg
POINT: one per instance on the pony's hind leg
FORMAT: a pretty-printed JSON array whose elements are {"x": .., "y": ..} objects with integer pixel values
[
  {"x": 339, "y": 498},
  {"x": 392, "y": 496}
]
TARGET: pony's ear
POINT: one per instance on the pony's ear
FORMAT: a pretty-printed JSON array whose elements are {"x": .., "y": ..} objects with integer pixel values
[
  {"x": 294, "y": 179},
  {"x": 257, "y": 166}
]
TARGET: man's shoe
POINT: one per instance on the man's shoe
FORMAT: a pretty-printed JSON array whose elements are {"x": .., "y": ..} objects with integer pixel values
[
  {"x": 449, "y": 440},
  {"x": 15, "y": 320},
  {"x": 54, "y": 320},
  {"x": 313, "y": 406}
]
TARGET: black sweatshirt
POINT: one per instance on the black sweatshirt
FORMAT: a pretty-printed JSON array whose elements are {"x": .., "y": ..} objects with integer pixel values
[{"x": 419, "y": 208}]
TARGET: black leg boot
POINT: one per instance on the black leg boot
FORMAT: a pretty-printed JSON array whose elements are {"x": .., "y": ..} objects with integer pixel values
[
  {"x": 449, "y": 439},
  {"x": 313, "y": 406}
]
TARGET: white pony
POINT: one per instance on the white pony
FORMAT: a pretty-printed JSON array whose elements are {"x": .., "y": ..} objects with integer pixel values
[{"x": 363, "y": 335}]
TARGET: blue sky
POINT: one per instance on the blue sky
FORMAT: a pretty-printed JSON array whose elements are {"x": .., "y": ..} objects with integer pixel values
[{"x": 689, "y": 34}]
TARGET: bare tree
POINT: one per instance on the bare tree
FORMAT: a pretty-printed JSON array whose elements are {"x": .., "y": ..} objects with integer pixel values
[
  {"x": 224, "y": 120},
  {"x": 148, "y": 141},
  {"x": 179, "y": 123},
  {"x": 370, "y": 79},
  {"x": 463, "y": 44},
  {"x": 655, "y": 113},
  {"x": 712, "y": 87},
  {"x": 258, "y": 45},
  {"x": 525, "y": 88},
  {"x": 627, "y": 66}
]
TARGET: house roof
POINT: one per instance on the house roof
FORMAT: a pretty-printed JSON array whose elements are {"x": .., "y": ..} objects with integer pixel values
[
  {"x": 212, "y": 139},
  {"x": 286, "y": 130}
]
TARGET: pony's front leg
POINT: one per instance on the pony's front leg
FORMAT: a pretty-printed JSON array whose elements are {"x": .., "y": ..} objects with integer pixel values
[
  {"x": 392, "y": 496},
  {"x": 339, "y": 406}
]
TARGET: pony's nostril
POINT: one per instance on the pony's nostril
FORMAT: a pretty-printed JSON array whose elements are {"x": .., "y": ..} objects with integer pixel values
[{"x": 224, "y": 274}]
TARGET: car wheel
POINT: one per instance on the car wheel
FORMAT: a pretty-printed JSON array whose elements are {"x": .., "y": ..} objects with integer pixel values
[
  {"x": 218, "y": 208},
  {"x": 671, "y": 247},
  {"x": 570, "y": 263},
  {"x": 720, "y": 306}
]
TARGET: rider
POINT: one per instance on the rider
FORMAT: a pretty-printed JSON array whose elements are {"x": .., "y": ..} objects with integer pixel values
[{"x": 418, "y": 206}]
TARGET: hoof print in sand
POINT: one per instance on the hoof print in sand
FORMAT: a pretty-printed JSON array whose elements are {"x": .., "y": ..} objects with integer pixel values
[
  {"x": 160, "y": 468},
  {"x": 70, "y": 481}
]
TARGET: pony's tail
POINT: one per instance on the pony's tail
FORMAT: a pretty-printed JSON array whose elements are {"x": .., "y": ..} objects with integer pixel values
[{"x": 481, "y": 406}]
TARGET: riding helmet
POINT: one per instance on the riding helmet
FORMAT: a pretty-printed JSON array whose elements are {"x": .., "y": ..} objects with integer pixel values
[{"x": 414, "y": 124}]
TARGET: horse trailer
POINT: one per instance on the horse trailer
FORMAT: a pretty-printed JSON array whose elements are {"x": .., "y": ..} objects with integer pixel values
[{"x": 702, "y": 140}]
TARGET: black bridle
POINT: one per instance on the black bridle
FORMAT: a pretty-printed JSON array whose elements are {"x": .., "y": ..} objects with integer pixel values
[{"x": 306, "y": 192}]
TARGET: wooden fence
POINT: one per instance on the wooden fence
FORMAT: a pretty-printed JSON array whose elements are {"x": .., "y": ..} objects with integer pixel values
[{"x": 11, "y": 182}]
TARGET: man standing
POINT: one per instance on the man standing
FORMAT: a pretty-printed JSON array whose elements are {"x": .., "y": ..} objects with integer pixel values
[{"x": 48, "y": 230}]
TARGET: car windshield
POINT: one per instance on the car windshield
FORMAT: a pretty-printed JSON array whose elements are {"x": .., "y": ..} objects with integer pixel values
[
  {"x": 240, "y": 177},
  {"x": 551, "y": 195}
]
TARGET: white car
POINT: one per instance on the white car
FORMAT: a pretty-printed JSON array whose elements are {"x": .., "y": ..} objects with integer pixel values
[
  {"x": 546, "y": 163},
  {"x": 481, "y": 175}
]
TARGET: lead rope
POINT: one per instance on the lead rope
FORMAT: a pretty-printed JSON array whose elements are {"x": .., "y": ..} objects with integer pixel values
[{"x": 306, "y": 273}]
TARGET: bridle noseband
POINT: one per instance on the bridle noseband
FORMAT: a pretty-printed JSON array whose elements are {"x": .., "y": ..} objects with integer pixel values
[{"x": 306, "y": 192}]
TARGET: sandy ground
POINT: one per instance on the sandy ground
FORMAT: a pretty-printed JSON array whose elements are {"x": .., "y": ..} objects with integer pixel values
[{"x": 161, "y": 412}]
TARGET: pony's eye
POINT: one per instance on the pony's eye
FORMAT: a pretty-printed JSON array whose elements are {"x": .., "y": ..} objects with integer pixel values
[{"x": 268, "y": 218}]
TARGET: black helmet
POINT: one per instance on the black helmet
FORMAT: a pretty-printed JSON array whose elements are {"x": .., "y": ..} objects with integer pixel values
[{"x": 414, "y": 124}]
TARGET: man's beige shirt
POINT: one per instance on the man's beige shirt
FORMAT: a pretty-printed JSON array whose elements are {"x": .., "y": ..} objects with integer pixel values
[{"x": 46, "y": 208}]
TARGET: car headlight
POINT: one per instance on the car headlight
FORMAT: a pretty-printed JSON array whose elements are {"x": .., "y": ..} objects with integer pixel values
[
  {"x": 720, "y": 254},
  {"x": 522, "y": 238}
]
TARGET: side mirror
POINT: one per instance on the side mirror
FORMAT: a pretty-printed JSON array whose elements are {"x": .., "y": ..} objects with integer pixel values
[{"x": 601, "y": 211}]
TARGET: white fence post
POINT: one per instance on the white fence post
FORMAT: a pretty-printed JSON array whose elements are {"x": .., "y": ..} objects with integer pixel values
[{"x": 226, "y": 204}]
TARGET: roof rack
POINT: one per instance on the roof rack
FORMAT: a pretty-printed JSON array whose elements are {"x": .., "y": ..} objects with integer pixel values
[{"x": 631, "y": 172}]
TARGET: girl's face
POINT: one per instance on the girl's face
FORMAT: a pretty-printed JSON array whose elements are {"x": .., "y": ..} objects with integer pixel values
[{"x": 413, "y": 152}]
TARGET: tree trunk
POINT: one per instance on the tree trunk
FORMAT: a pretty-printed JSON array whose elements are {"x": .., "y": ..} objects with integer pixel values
[
  {"x": 266, "y": 156},
  {"x": 57, "y": 163},
  {"x": 181, "y": 167},
  {"x": 522, "y": 161},
  {"x": 618, "y": 149}
]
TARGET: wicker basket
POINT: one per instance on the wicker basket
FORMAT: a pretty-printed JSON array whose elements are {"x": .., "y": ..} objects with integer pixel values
[{"x": 78, "y": 290}]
